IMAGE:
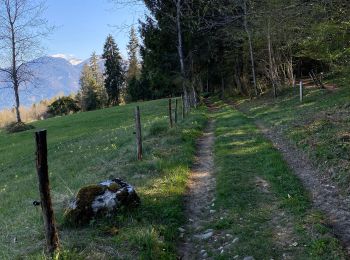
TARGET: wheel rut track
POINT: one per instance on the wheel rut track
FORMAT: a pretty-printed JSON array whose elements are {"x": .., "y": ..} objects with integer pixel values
[{"x": 325, "y": 195}]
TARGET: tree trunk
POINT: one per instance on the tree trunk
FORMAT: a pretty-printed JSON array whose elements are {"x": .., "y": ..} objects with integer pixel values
[
  {"x": 18, "y": 114},
  {"x": 207, "y": 80},
  {"x": 251, "y": 52},
  {"x": 14, "y": 74},
  {"x": 290, "y": 71},
  {"x": 238, "y": 83},
  {"x": 194, "y": 96},
  {"x": 237, "y": 77},
  {"x": 222, "y": 86},
  {"x": 207, "y": 85},
  {"x": 201, "y": 85},
  {"x": 271, "y": 70},
  {"x": 180, "y": 53}
]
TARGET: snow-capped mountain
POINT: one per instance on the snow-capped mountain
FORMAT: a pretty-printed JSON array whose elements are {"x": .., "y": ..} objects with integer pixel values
[
  {"x": 72, "y": 60},
  {"x": 54, "y": 75}
]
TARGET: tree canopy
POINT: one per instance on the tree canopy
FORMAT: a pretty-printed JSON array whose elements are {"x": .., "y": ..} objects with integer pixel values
[{"x": 245, "y": 46}]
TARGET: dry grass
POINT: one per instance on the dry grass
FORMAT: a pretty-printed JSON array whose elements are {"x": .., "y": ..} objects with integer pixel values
[{"x": 28, "y": 114}]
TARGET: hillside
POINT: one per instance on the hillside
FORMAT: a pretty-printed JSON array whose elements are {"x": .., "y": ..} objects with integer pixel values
[
  {"x": 53, "y": 75},
  {"x": 318, "y": 125},
  {"x": 87, "y": 148},
  {"x": 218, "y": 190}
]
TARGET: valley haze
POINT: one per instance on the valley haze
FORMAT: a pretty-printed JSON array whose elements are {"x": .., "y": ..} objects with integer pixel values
[{"x": 54, "y": 75}]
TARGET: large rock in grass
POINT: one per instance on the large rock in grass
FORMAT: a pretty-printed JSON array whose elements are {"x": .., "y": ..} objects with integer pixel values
[{"x": 103, "y": 199}]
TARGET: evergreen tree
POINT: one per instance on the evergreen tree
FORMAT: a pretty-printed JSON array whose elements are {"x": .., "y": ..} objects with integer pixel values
[
  {"x": 114, "y": 73},
  {"x": 92, "y": 94},
  {"x": 101, "y": 94},
  {"x": 246, "y": 47},
  {"x": 87, "y": 95},
  {"x": 159, "y": 59},
  {"x": 133, "y": 49},
  {"x": 134, "y": 87}
]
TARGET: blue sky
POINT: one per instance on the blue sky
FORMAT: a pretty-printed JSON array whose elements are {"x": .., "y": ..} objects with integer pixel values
[{"x": 83, "y": 25}]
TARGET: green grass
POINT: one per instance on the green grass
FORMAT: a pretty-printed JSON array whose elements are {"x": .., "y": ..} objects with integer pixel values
[
  {"x": 320, "y": 125},
  {"x": 260, "y": 200},
  {"x": 270, "y": 221},
  {"x": 87, "y": 148}
]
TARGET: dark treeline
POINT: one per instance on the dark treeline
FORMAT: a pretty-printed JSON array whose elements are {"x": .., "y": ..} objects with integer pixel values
[{"x": 244, "y": 47}]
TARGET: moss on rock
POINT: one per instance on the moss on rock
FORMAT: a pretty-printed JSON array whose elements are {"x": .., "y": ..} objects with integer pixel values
[
  {"x": 100, "y": 200},
  {"x": 114, "y": 187},
  {"x": 80, "y": 211}
]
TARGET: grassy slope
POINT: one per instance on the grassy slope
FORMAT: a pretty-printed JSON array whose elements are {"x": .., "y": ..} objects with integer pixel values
[
  {"x": 319, "y": 125},
  {"x": 87, "y": 148},
  {"x": 260, "y": 200}
]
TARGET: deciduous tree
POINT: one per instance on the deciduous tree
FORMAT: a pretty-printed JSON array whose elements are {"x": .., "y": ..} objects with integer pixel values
[{"x": 22, "y": 28}]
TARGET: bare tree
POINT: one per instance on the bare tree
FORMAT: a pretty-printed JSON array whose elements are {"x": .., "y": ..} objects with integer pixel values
[
  {"x": 251, "y": 52},
  {"x": 22, "y": 29},
  {"x": 181, "y": 52}
]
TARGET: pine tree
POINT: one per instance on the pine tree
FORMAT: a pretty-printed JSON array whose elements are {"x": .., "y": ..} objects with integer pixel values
[
  {"x": 114, "y": 74},
  {"x": 134, "y": 88},
  {"x": 87, "y": 95},
  {"x": 92, "y": 94},
  {"x": 101, "y": 94},
  {"x": 133, "y": 48}
]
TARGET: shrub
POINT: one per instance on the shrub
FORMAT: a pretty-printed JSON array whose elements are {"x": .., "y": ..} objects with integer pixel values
[
  {"x": 18, "y": 127},
  {"x": 63, "y": 106}
]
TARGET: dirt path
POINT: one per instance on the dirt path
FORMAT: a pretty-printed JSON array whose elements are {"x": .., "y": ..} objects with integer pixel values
[
  {"x": 199, "y": 198},
  {"x": 324, "y": 193}
]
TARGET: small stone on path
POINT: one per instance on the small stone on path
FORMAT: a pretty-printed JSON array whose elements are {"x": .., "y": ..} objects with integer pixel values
[
  {"x": 182, "y": 230},
  {"x": 206, "y": 235}
]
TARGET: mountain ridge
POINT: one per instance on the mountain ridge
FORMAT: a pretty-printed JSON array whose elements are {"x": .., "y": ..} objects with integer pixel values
[{"x": 53, "y": 75}]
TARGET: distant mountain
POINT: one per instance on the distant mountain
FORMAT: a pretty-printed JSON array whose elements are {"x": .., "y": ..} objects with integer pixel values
[
  {"x": 72, "y": 60},
  {"x": 54, "y": 75}
]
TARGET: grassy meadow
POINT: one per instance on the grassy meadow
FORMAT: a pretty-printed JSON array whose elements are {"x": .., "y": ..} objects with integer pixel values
[
  {"x": 87, "y": 148},
  {"x": 319, "y": 125},
  {"x": 260, "y": 201}
]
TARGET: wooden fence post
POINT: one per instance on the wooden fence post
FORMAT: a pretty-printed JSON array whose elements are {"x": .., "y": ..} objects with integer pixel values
[
  {"x": 170, "y": 114},
  {"x": 301, "y": 90},
  {"x": 176, "y": 110},
  {"x": 44, "y": 188},
  {"x": 138, "y": 133}
]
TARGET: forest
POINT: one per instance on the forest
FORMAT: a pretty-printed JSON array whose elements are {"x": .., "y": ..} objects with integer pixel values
[{"x": 240, "y": 47}]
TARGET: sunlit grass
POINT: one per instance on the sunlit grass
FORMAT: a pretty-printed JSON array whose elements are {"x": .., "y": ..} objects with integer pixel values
[
  {"x": 316, "y": 125},
  {"x": 88, "y": 148},
  {"x": 257, "y": 215}
]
